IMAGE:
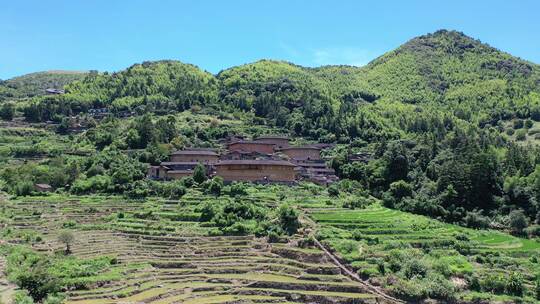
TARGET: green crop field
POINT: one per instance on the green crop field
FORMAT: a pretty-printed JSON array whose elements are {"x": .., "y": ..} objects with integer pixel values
[
  {"x": 377, "y": 242},
  {"x": 160, "y": 251},
  {"x": 171, "y": 256}
]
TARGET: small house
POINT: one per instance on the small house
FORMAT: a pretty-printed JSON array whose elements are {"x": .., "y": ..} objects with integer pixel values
[
  {"x": 302, "y": 153},
  {"x": 205, "y": 156},
  {"x": 43, "y": 188},
  {"x": 251, "y": 146},
  {"x": 279, "y": 142},
  {"x": 256, "y": 170},
  {"x": 53, "y": 91}
]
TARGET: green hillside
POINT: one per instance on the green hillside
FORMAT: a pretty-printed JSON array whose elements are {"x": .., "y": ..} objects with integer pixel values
[
  {"x": 161, "y": 84},
  {"x": 35, "y": 84},
  {"x": 458, "y": 73}
]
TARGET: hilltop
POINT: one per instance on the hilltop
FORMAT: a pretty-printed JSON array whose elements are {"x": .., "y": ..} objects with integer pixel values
[
  {"x": 35, "y": 84},
  {"x": 455, "y": 72}
]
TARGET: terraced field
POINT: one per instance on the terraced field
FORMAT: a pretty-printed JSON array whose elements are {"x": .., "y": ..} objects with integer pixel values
[
  {"x": 169, "y": 257},
  {"x": 377, "y": 233},
  {"x": 160, "y": 251}
]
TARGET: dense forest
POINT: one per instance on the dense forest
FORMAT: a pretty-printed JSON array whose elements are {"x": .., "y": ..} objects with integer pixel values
[{"x": 450, "y": 127}]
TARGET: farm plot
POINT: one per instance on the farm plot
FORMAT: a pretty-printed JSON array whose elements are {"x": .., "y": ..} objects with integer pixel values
[
  {"x": 160, "y": 252},
  {"x": 401, "y": 251}
]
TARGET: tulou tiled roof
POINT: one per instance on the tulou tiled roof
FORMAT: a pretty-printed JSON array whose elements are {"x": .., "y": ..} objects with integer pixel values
[
  {"x": 196, "y": 152},
  {"x": 268, "y": 162}
]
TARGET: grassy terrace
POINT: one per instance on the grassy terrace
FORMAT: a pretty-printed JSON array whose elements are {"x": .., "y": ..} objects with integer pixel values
[
  {"x": 164, "y": 254},
  {"x": 370, "y": 239}
]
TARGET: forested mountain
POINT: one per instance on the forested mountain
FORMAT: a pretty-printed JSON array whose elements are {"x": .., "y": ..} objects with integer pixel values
[
  {"x": 458, "y": 73},
  {"x": 35, "y": 84},
  {"x": 161, "y": 84}
]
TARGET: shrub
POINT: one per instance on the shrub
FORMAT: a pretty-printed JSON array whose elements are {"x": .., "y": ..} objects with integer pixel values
[
  {"x": 532, "y": 231},
  {"x": 7, "y": 111},
  {"x": 237, "y": 189},
  {"x": 22, "y": 297},
  {"x": 368, "y": 272},
  {"x": 452, "y": 265},
  {"x": 199, "y": 174},
  {"x": 517, "y": 123},
  {"x": 415, "y": 268},
  {"x": 139, "y": 190},
  {"x": 274, "y": 237},
  {"x": 535, "y": 113},
  {"x": 98, "y": 183},
  {"x": 440, "y": 288},
  {"x": 288, "y": 218},
  {"x": 37, "y": 281},
  {"x": 177, "y": 191},
  {"x": 521, "y": 135},
  {"x": 188, "y": 181},
  {"x": 54, "y": 299},
  {"x": 24, "y": 188},
  {"x": 514, "y": 284},
  {"x": 333, "y": 191},
  {"x": 69, "y": 224},
  {"x": 66, "y": 238},
  {"x": 355, "y": 202},
  {"x": 214, "y": 186},
  {"x": 397, "y": 258},
  {"x": 413, "y": 290},
  {"x": 474, "y": 219},
  {"x": 400, "y": 189},
  {"x": 495, "y": 283},
  {"x": 518, "y": 221},
  {"x": 346, "y": 246}
]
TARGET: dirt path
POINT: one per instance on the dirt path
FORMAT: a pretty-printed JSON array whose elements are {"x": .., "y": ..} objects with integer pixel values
[{"x": 346, "y": 270}]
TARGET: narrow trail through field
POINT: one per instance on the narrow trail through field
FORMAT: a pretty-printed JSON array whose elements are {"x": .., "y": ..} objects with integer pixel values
[{"x": 346, "y": 271}]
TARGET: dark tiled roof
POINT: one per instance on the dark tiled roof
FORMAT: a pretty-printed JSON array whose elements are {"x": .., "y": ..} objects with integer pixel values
[
  {"x": 300, "y": 148},
  {"x": 327, "y": 170},
  {"x": 201, "y": 149},
  {"x": 178, "y": 163},
  {"x": 312, "y": 165},
  {"x": 256, "y": 162},
  {"x": 323, "y": 146},
  {"x": 246, "y": 152},
  {"x": 195, "y": 152},
  {"x": 272, "y": 137},
  {"x": 250, "y": 142}
]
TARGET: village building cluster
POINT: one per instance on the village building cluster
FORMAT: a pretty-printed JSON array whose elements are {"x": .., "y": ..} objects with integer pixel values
[{"x": 263, "y": 159}]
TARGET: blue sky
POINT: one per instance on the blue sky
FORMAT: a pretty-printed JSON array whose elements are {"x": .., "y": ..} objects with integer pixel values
[{"x": 110, "y": 35}]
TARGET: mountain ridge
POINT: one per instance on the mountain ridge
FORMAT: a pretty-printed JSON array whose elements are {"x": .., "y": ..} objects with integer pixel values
[{"x": 444, "y": 70}]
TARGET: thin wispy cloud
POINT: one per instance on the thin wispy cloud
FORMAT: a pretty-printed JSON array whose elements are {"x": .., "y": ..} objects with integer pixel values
[
  {"x": 289, "y": 50},
  {"x": 337, "y": 55},
  {"x": 342, "y": 55}
]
